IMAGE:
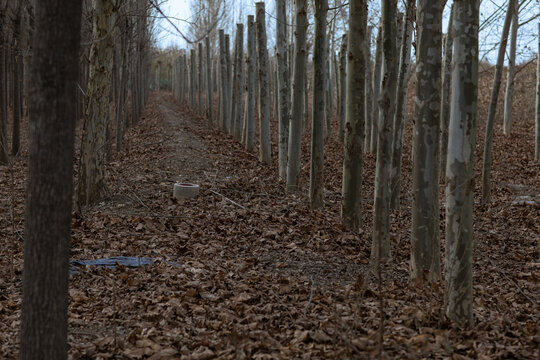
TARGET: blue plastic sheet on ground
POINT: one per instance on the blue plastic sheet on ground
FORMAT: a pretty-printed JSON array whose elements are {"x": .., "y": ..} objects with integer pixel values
[{"x": 112, "y": 262}]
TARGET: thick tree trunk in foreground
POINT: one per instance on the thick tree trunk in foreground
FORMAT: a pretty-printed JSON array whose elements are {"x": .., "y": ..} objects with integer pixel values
[
  {"x": 445, "y": 94},
  {"x": 387, "y": 104},
  {"x": 265, "y": 154},
  {"x": 488, "y": 142},
  {"x": 509, "y": 94},
  {"x": 282, "y": 86},
  {"x": 460, "y": 163},
  {"x": 316, "y": 176},
  {"x": 351, "y": 203},
  {"x": 425, "y": 236},
  {"x": 401, "y": 98},
  {"x": 299, "y": 73},
  {"x": 91, "y": 186},
  {"x": 52, "y": 112},
  {"x": 17, "y": 80},
  {"x": 537, "y": 123},
  {"x": 3, "y": 93}
]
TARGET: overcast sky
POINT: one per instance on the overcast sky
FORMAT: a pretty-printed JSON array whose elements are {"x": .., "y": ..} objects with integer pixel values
[{"x": 179, "y": 13}]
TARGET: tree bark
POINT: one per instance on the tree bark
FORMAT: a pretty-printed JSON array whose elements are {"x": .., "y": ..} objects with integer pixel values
[
  {"x": 238, "y": 82},
  {"x": 224, "y": 98},
  {"x": 250, "y": 101},
  {"x": 295, "y": 134},
  {"x": 265, "y": 153},
  {"x": 488, "y": 142},
  {"x": 425, "y": 236},
  {"x": 381, "y": 223},
  {"x": 460, "y": 163},
  {"x": 91, "y": 186},
  {"x": 3, "y": 92},
  {"x": 17, "y": 80},
  {"x": 200, "y": 82},
  {"x": 537, "y": 123},
  {"x": 351, "y": 203},
  {"x": 209, "y": 84},
  {"x": 49, "y": 190},
  {"x": 316, "y": 175},
  {"x": 377, "y": 78},
  {"x": 401, "y": 98},
  {"x": 369, "y": 92},
  {"x": 509, "y": 98},
  {"x": 343, "y": 86},
  {"x": 445, "y": 93},
  {"x": 283, "y": 86}
]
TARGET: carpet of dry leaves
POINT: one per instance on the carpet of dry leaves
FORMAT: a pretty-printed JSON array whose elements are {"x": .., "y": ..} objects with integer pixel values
[{"x": 262, "y": 276}]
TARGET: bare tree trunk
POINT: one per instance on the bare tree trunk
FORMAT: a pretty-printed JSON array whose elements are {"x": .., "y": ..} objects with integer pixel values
[
  {"x": 369, "y": 92},
  {"x": 488, "y": 142},
  {"x": 351, "y": 203},
  {"x": 387, "y": 104},
  {"x": 238, "y": 82},
  {"x": 460, "y": 163},
  {"x": 224, "y": 97},
  {"x": 316, "y": 175},
  {"x": 509, "y": 98},
  {"x": 283, "y": 86},
  {"x": 229, "y": 82},
  {"x": 200, "y": 82},
  {"x": 401, "y": 98},
  {"x": 377, "y": 78},
  {"x": 193, "y": 76},
  {"x": 425, "y": 236},
  {"x": 537, "y": 123},
  {"x": 343, "y": 86},
  {"x": 209, "y": 84},
  {"x": 17, "y": 81},
  {"x": 265, "y": 154},
  {"x": 234, "y": 84},
  {"x": 54, "y": 73},
  {"x": 295, "y": 134},
  {"x": 250, "y": 101},
  {"x": 3, "y": 92},
  {"x": 445, "y": 93},
  {"x": 91, "y": 186}
]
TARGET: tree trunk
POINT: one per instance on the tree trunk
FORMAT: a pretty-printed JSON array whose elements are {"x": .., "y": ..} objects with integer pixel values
[
  {"x": 509, "y": 98},
  {"x": 17, "y": 81},
  {"x": 445, "y": 93},
  {"x": 295, "y": 134},
  {"x": 3, "y": 92},
  {"x": 238, "y": 81},
  {"x": 425, "y": 236},
  {"x": 193, "y": 81},
  {"x": 250, "y": 101},
  {"x": 537, "y": 123},
  {"x": 488, "y": 142},
  {"x": 265, "y": 154},
  {"x": 368, "y": 118},
  {"x": 377, "y": 78},
  {"x": 316, "y": 175},
  {"x": 351, "y": 203},
  {"x": 387, "y": 104},
  {"x": 49, "y": 190},
  {"x": 401, "y": 98},
  {"x": 228, "y": 126},
  {"x": 283, "y": 86},
  {"x": 460, "y": 163},
  {"x": 91, "y": 186},
  {"x": 209, "y": 84},
  {"x": 224, "y": 97},
  {"x": 200, "y": 82},
  {"x": 343, "y": 86}
]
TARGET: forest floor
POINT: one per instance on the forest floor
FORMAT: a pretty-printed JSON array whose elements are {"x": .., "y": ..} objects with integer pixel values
[{"x": 246, "y": 270}]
